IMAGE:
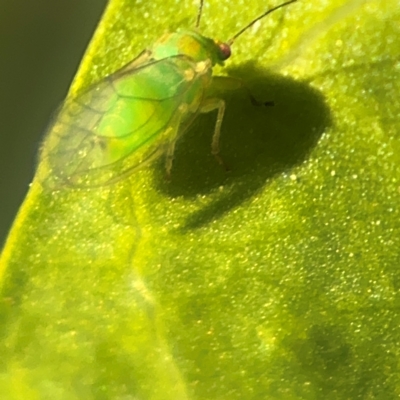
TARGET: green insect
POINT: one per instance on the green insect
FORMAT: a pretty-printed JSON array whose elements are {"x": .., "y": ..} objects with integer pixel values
[{"x": 137, "y": 113}]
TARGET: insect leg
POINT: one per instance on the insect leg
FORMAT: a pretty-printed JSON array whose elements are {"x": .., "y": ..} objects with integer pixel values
[
  {"x": 172, "y": 132},
  {"x": 170, "y": 155},
  {"x": 211, "y": 105}
]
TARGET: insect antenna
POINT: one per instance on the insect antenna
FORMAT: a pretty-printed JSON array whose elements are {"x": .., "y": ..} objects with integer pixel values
[
  {"x": 199, "y": 13},
  {"x": 234, "y": 37}
]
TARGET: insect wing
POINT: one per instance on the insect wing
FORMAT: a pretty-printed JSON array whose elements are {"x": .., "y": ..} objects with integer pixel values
[{"x": 119, "y": 123}]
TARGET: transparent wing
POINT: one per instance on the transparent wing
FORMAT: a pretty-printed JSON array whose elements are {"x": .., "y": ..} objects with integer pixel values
[{"x": 119, "y": 123}]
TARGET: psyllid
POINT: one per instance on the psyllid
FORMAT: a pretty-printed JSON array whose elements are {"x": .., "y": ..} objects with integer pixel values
[{"x": 137, "y": 113}]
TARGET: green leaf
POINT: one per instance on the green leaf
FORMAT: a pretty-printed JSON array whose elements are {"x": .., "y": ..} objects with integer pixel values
[{"x": 278, "y": 280}]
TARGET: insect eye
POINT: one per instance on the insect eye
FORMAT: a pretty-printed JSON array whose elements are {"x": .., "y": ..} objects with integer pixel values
[{"x": 225, "y": 50}]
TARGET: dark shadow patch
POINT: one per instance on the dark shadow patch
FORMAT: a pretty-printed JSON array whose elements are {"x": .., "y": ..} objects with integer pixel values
[{"x": 257, "y": 143}]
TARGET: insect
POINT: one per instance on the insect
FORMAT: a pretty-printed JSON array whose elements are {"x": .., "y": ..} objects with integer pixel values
[{"x": 137, "y": 113}]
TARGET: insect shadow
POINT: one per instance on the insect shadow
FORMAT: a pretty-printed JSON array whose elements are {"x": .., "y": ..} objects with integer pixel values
[{"x": 257, "y": 142}]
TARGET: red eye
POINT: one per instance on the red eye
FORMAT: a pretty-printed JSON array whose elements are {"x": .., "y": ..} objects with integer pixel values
[{"x": 225, "y": 50}]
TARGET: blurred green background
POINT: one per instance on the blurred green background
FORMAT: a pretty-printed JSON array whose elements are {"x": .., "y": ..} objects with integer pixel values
[{"x": 41, "y": 45}]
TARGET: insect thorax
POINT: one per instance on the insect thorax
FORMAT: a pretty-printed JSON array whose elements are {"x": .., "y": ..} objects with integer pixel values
[{"x": 189, "y": 43}]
